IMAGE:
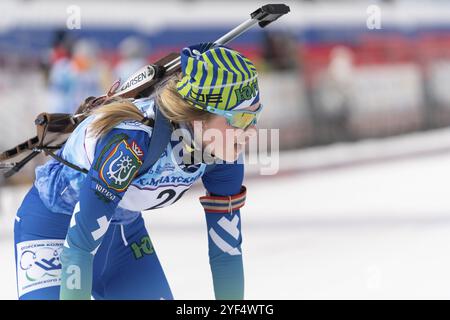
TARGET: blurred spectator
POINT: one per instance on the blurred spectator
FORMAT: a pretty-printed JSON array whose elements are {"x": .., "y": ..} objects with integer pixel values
[
  {"x": 332, "y": 96},
  {"x": 62, "y": 46},
  {"x": 74, "y": 79},
  {"x": 279, "y": 51},
  {"x": 132, "y": 51}
]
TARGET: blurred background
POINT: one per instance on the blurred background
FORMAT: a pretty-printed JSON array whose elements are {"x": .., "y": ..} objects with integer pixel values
[{"x": 360, "y": 93}]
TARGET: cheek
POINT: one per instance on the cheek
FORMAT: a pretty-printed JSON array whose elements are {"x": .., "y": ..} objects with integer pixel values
[
  {"x": 215, "y": 122},
  {"x": 222, "y": 128},
  {"x": 226, "y": 146}
]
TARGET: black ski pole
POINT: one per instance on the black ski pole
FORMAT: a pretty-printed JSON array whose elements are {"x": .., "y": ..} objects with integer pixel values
[{"x": 263, "y": 16}]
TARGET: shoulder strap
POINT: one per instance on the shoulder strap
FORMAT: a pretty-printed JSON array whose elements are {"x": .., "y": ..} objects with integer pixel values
[{"x": 162, "y": 131}]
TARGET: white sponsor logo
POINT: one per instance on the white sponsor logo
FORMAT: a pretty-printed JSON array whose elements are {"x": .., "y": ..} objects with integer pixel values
[
  {"x": 141, "y": 76},
  {"x": 38, "y": 264}
]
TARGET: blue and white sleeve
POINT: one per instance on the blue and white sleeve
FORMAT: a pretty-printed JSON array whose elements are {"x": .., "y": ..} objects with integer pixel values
[
  {"x": 225, "y": 196},
  {"x": 118, "y": 158}
]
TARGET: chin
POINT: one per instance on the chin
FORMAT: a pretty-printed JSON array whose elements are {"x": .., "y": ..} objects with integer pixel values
[
  {"x": 234, "y": 156},
  {"x": 229, "y": 155}
]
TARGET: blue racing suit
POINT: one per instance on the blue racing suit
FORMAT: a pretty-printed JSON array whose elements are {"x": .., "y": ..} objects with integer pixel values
[{"x": 81, "y": 235}]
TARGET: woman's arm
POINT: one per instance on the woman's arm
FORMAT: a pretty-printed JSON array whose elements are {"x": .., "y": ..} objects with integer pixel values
[
  {"x": 118, "y": 157},
  {"x": 225, "y": 196}
]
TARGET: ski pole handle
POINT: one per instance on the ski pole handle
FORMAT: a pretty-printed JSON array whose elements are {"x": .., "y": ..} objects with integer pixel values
[
  {"x": 263, "y": 16},
  {"x": 142, "y": 81}
]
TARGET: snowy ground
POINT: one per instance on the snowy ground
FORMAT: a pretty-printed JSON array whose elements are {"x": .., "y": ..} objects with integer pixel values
[{"x": 378, "y": 230}]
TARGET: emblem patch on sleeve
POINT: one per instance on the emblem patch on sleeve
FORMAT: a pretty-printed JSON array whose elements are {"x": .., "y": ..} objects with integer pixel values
[{"x": 120, "y": 167}]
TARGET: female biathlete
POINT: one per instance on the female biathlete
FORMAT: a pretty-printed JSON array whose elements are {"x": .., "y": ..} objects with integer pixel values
[{"x": 79, "y": 233}]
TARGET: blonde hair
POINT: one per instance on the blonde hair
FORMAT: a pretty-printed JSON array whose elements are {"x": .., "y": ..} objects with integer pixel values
[
  {"x": 174, "y": 107},
  {"x": 170, "y": 103}
]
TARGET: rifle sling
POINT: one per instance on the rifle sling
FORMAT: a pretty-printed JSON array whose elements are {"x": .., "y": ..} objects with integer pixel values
[{"x": 65, "y": 162}]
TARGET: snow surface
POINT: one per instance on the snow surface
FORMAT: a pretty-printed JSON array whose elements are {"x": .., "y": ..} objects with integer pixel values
[{"x": 375, "y": 231}]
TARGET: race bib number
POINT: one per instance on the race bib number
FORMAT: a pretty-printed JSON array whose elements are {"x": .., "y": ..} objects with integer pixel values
[{"x": 139, "y": 200}]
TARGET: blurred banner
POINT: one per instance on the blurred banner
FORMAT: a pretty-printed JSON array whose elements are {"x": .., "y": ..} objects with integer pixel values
[{"x": 331, "y": 72}]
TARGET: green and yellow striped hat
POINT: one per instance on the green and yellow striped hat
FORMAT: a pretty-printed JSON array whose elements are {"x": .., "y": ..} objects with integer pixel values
[{"x": 218, "y": 77}]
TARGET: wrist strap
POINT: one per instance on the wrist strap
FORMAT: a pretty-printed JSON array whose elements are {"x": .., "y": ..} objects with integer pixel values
[{"x": 224, "y": 204}]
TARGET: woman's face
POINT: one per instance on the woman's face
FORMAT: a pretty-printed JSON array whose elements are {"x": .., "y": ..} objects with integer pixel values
[{"x": 224, "y": 141}]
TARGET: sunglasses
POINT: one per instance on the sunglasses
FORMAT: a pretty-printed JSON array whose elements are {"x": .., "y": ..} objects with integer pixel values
[{"x": 241, "y": 119}]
